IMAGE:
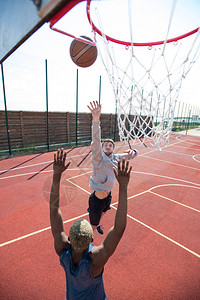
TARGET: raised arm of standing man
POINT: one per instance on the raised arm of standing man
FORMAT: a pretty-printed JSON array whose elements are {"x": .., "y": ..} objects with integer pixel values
[
  {"x": 100, "y": 254},
  {"x": 57, "y": 228}
]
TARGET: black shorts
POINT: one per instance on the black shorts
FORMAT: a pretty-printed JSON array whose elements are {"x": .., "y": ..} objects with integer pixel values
[{"x": 97, "y": 207}]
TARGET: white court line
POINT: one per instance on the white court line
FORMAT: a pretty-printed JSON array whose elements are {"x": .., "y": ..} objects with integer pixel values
[
  {"x": 24, "y": 174},
  {"x": 50, "y": 171},
  {"x": 137, "y": 172},
  {"x": 89, "y": 193},
  {"x": 20, "y": 238},
  {"x": 167, "y": 177},
  {"x": 169, "y": 162},
  {"x": 38, "y": 164},
  {"x": 185, "y": 147},
  {"x": 186, "y": 141},
  {"x": 169, "y": 199},
  {"x": 39, "y": 231},
  {"x": 18, "y": 168},
  {"x": 112, "y": 205},
  {"x": 172, "y": 144},
  {"x": 178, "y": 153},
  {"x": 174, "y": 201},
  {"x": 149, "y": 190},
  {"x": 195, "y": 157},
  {"x": 78, "y": 186},
  {"x": 159, "y": 233},
  {"x": 79, "y": 174},
  {"x": 189, "y": 155}
]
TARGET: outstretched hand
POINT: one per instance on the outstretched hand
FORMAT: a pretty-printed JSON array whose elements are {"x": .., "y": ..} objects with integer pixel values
[
  {"x": 59, "y": 165},
  {"x": 95, "y": 109},
  {"x": 123, "y": 172},
  {"x": 132, "y": 153}
]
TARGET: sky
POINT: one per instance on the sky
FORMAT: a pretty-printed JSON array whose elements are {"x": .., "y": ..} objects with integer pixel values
[{"x": 24, "y": 70}]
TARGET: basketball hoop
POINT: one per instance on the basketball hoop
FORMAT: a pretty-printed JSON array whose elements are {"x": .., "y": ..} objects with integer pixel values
[
  {"x": 146, "y": 92},
  {"x": 146, "y": 77},
  {"x": 127, "y": 44}
]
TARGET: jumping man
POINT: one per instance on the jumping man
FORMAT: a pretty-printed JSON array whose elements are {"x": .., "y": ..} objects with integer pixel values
[{"x": 102, "y": 180}]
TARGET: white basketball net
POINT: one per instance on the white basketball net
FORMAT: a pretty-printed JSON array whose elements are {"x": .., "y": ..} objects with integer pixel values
[{"x": 146, "y": 82}]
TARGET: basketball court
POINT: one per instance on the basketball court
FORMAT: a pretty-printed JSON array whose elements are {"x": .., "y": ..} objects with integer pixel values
[{"x": 158, "y": 256}]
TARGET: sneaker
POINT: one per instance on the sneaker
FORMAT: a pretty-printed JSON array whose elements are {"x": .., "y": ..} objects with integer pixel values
[{"x": 99, "y": 229}]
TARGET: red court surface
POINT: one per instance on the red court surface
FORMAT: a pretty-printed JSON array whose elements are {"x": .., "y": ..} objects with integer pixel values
[{"x": 158, "y": 257}]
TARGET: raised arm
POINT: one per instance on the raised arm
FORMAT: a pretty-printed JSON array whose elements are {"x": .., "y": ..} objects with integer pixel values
[
  {"x": 100, "y": 254},
  {"x": 128, "y": 154},
  {"x": 132, "y": 153},
  {"x": 57, "y": 228},
  {"x": 96, "y": 147},
  {"x": 95, "y": 109}
]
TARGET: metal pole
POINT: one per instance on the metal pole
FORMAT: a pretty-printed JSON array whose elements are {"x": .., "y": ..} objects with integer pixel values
[
  {"x": 47, "y": 105},
  {"x": 115, "y": 116},
  {"x": 176, "y": 119},
  {"x": 99, "y": 90},
  {"x": 77, "y": 108},
  {"x": 6, "y": 115},
  {"x": 181, "y": 119}
]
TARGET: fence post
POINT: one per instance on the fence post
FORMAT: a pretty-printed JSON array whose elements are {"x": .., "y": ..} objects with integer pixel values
[
  {"x": 6, "y": 115},
  {"x": 178, "y": 110},
  {"x": 115, "y": 116},
  {"x": 77, "y": 108},
  {"x": 188, "y": 122},
  {"x": 68, "y": 128},
  {"x": 47, "y": 105},
  {"x": 22, "y": 128},
  {"x": 99, "y": 90}
]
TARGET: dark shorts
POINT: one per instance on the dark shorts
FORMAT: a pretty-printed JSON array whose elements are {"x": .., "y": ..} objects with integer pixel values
[{"x": 97, "y": 207}]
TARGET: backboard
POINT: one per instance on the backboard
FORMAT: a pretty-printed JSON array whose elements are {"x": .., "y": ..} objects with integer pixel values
[{"x": 20, "y": 19}]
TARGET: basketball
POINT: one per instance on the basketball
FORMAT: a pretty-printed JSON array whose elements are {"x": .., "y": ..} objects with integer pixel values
[{"x": 83, "y": 54}]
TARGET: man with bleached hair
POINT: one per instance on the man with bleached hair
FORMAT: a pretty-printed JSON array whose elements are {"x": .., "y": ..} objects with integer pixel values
[{"x": 83, "y": 262}]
